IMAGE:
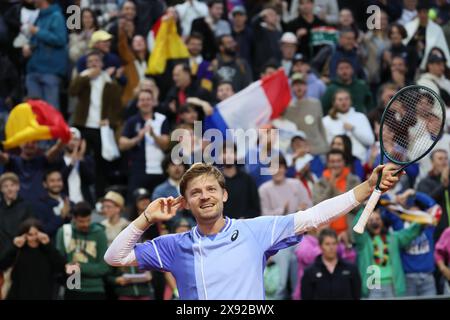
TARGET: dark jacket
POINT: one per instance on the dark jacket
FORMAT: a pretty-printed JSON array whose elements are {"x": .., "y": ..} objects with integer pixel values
[
  {"x": 34, "y": 271},
  {"x": 236, "y": 71},
  {"x": 87, "y": 176},
  {"x": 11, "y": 216},
  {"x": 210, "y": 48},
  {"x": 44, "y": 211},
  {"x": 148, "y": 12},
  {"x": 191, "y": 91},
  {"x": 266, "y": 46},
  {"x": 243, "y": 197},
  {"x": 319, "y": 284},
  {"x": 111, "y": 103}
]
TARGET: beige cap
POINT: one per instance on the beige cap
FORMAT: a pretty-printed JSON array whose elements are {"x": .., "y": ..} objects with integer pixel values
[
  {"x": 114, "y": 197},
  {"x": 100, "y": 35}
]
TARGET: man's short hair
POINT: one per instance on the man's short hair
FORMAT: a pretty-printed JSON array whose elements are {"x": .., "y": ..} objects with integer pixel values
[
  {"x": 194, "y": 35},
  {"x": 431, "y": 154},
  {"x": 94, "y": 52},
  {"x": 347, "y": 30},
  {"x": 82, "y": 209},
  {"x": 146, "y": 91},
  {"x": 49, "y": 172},
  {"x": 9, "y": 176},
  {"x": 336, "y": 151},
  {"x": 327, "y": 233},
  {"x": 213, "y": 2},
  {"x": 199, "y": 169},
  {"x": 344, "y": 60},
  {"x": 184, "y": 66}
]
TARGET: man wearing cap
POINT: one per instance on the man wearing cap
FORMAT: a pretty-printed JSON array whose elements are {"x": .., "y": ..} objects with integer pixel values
[
  {"x": 288, "y": 49},
  {"x": 101, "y": 41},
  {"x": 242, "y": 33},
  {"x": 306, "y": 113},
  {"x": 77, "y": 169},
  {"x": 47, "y": 53},
  {"x": 435, "y": 78},
  {"x": 112, "y": 207},
  {"x": 315, "y": 86}
]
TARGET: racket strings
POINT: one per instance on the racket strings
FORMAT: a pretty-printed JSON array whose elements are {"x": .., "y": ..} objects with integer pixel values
[{"x": 411, "y": 124}]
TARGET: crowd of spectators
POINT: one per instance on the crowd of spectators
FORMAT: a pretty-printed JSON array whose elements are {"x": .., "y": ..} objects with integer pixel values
[{"x": 63, "y": 204}]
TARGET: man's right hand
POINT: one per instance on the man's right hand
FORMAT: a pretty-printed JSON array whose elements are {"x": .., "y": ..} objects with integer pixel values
[{"x": 163, "y": 209}]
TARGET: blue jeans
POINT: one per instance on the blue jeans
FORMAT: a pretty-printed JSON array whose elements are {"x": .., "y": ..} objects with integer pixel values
[
  {"x": 386, "y": 291},
  {"x": 43, "y": 86},
  {"x": 420, "y": 284}
]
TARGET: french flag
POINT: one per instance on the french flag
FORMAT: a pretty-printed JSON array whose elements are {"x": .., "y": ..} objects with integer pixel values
[{"x": 254, "y": 106}]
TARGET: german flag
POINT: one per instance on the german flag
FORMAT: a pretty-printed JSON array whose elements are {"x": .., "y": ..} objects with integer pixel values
[{"x": 34, "y": 120}]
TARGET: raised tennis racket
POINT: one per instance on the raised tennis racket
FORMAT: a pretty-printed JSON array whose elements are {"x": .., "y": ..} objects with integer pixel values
[{"x": 410, "y": 127}]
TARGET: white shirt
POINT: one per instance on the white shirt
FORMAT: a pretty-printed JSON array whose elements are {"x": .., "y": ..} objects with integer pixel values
[
  {"x": 153, "y": 153},
  {"x": 188, "y": 12},
  {"x": 74, "y": 181},
  {"x": 95, "y": 105},
  {"x": 361, "y": 136}
]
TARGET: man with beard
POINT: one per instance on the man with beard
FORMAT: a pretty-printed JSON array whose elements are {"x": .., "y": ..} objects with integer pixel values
[
  {"x": 228, "y": 67},
  {"x": 53, "y": 209},
  {"x": 378, "y": 248}
]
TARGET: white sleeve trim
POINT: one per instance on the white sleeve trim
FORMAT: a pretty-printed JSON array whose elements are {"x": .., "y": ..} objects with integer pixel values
[
  {"x": 324, "y": 212},
  {"x": 121, "y": 251},
  {"x": 273, "y": 230},
  {"x": 157, "y": 254}
]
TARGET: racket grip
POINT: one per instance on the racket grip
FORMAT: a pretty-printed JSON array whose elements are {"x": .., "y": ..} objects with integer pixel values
[{"x": 370, "y": 206}]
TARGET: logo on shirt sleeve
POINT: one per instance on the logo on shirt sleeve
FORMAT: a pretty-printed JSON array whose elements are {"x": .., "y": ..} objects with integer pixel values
[{"x": 234, "y": 235}]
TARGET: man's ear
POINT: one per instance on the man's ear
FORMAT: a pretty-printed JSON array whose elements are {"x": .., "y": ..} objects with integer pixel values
[
  {"x": 225, "y": 195},
  {"x": 184, "y": 203}
]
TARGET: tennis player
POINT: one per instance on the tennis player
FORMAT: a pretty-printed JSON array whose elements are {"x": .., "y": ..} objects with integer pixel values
[{"x": 223, "y": 258}]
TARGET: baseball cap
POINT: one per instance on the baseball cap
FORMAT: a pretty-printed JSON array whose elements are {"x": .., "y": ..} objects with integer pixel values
[
  {"x": 100, "y": 35},
  {"x": 75, "y": 133},
  {"x": 298, "y": 78},
  {"x": 238, "y": 9},
  {"x": 434, "y": 58},
  {"x": 141, "y": 193},
  {"x": 289, "y": 37},
  {"x": 299, "y": 58},
  {"x": 114, "y": 197}
]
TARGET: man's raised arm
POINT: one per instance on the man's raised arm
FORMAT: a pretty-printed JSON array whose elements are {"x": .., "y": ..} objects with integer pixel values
[
  {"x": 330, "y": 209},
  {"x": 121, "y": 251}
]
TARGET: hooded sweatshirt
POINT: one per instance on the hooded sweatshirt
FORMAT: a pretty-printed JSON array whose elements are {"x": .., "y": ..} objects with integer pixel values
[{"x": 88, "y": 250}]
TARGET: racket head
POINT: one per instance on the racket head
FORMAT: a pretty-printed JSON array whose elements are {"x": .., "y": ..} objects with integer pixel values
[{"x": 414, "y": 112}]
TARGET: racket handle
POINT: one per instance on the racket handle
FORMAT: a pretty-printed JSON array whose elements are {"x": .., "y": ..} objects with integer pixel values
[{"x": 370, "y": 206}]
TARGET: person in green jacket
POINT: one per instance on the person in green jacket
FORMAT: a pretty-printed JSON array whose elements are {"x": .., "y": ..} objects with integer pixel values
[
  {"x": 84, "y": 244},
  {"x": 378, "y": 257},
  {"x": 359, "y": 90}
]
